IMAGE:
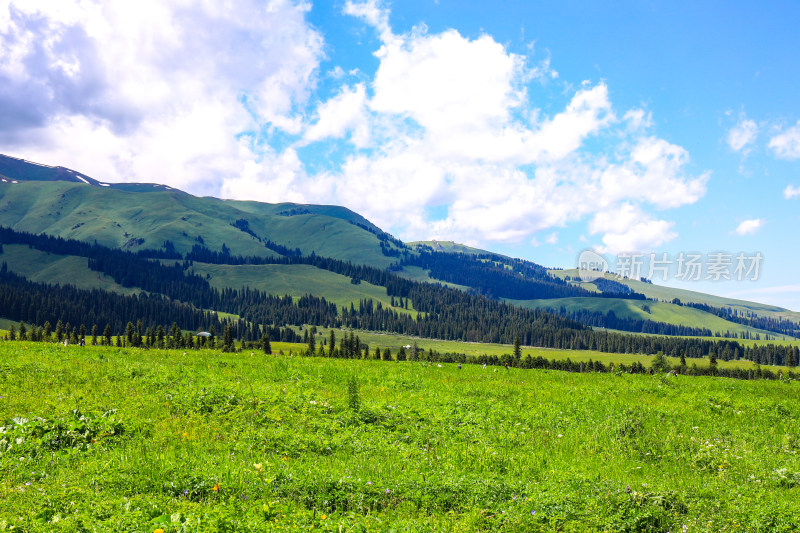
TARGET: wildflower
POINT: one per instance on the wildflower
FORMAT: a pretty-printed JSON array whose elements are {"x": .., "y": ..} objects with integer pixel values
[
  {"x": 369, "y": 482},
  {"x": 216, "y": 487},
  {"x": 533, "y": 513},
  {"x": 259, "y": 467},
  {"x": 323, "y": 517},
  {"x": 387, "y": 491},
  {"x": 159, "y": 530}
]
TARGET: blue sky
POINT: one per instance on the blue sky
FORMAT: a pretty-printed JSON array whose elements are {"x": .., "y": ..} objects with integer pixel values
[{"x": 536, "y": 129}]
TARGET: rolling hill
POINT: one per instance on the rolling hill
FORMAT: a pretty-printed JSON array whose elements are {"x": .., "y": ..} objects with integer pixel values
[
  {"x": 157, "y": 219},
  {"x": 66, "y": 203}
]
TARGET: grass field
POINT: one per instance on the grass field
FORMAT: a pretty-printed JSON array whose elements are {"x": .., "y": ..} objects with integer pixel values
[
  {"x": 127, "y": 440},
  {"x": 395, "y": 342}
]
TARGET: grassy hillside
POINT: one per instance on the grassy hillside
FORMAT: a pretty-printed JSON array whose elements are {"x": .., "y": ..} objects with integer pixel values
[
  {"x": 661, "y": 292},
  {"x": 144, "y": 220},
  {"x": 659, "y": 312},
  {"x": 127, "y": 440},
  {"x": 296, "y": 281},
  {"x": 449, "y": 247},
  {"x": 42, "y": 267},
  {"x": 415, "y": 273}
]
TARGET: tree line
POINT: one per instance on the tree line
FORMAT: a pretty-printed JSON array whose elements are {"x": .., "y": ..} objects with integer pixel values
[{"x": 442, "y": 313}]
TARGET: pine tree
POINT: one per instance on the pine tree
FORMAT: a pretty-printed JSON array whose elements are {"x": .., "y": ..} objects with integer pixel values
[
  {"x": 517, "y": 349},
  {"x": 94, "y": 335},
  {"x": 331, "y": 344},
  {"x": 312, "y": 343},
  {"x": 59, "y": 331},
  {"x": 387, "y": 355},
  {"x": 23, "y": 331},
  {"x": 227, "y": 344},
  {"x": 129, "y": 333},
  {"x": 107, "y": 334},
  {"x": 160, "y": 335},
  {"x": 48, "y": 331},
  {"x": 265, "y": 345}
]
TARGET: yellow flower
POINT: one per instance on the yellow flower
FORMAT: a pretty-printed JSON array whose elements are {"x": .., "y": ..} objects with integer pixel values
[
  {"x": 323, "y": 517},
  {"x": 159, "y": 530},
  {"x": 259, "y": 467},
  {"x": 216, "y": 488}
]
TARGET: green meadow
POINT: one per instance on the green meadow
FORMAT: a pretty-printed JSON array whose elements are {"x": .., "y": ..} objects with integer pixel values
[
  {"x": 110, "y": 439},
  {"x": 646, "y": 310}
]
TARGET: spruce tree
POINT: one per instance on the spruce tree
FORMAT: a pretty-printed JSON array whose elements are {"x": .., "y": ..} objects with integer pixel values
[
  {"x": 265, "y": 344},
  {"x": 331, "y": 344},
  {"x": 517, "y": 349},
  {"x": 312, "y": 343},
  {"x": 227, "y": 344},
  {"x": 107, "y": 334}
]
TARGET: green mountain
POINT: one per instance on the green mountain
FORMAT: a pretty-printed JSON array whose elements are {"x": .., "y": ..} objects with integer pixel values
[
  {"x": 65, "y": 203},
  {"x": 164, "y": 222}
]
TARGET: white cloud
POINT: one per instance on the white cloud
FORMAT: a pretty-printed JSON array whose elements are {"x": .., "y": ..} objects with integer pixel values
[
  {"x": 342, "y": 113},
  {"x": 786, "y": 145},
  {"x": 373, "y": 13},
  {"x": 151, "y": 90},
  {"x": 791, "y": 192},
  {"x": 748, "y": 227},
  {"x": 627, "y": 229},
  {"x": 637, "y": 119},
  {"x": 190, "y": 93},
  {"x": 741, "y": 136},
  {"x": 445, "y": 81}
]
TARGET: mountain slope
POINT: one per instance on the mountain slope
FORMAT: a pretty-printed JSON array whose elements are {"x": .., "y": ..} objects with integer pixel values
[{"x": 65, "y": 203}]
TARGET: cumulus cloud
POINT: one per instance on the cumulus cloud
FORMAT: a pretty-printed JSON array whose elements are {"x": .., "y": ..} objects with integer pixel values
[
  {"x": 151, "y": 90},
  {"x": 341, "y": 114},
  {"x": 749, "y": 227},
  {"x": 791, "y": 192},
  {"x": 741, "y": 136},
  {"x": 786, "y": 144},
  {"x": 627, "y": 228},
  {"x": 222, "y": 99}
]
